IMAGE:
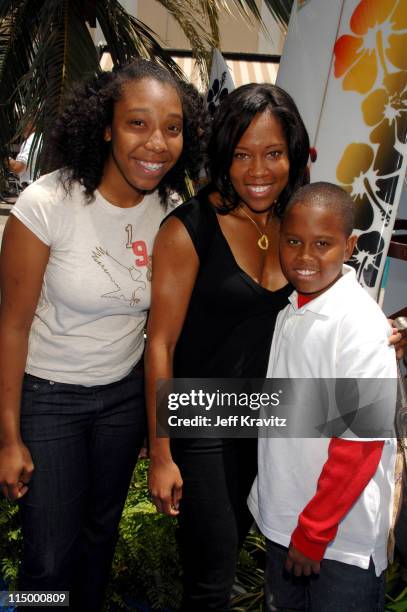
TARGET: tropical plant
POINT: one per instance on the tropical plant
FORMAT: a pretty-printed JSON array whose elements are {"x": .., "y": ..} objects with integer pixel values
[
  {"x": 250, "y": 575},
  {"x": 146, "y": 568},
  {"x": 10, "y": 543},
  {"x": 281, "y": 10},
  {"x": 146, "y": 571},
  {"x": 46, "y": 45},
  {"x": 396, "y": 592}
]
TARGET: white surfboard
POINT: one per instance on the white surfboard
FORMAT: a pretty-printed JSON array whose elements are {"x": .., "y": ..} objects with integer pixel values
[{"x": 345, "y": 65}]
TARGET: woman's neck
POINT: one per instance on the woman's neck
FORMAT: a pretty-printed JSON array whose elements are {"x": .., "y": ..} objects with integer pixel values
[
  {"x": 119, "y": 192},
  {"x": 121, "y": 200},
  {"x": 261, "y": 219},
  {"x": 242, "y": 210}
]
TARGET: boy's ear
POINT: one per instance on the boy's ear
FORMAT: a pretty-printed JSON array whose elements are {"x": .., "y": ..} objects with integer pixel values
[
  {"x": 350, "y": 245},
  {"x": 107, "y": 136}
]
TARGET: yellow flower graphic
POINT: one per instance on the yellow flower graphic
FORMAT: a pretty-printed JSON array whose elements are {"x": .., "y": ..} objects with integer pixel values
[
  {"x": 357, "y": 57},
  {"x": 386, "y": 108},
  {"x": 352, "y": 172},
  {"x": 356, "y": 160}
]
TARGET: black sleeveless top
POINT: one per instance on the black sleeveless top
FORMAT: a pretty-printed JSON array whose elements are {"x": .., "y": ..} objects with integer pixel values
[{"x": 230, "y": 319}]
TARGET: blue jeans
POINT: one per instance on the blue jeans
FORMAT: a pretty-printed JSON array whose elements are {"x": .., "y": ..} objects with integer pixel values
[
  {"x": 84, "y": 442},
  {"x": 338, "y": 588}
]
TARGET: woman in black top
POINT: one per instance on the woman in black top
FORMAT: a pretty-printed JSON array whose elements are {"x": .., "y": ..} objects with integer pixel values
[{"x": 216, "y": 291}]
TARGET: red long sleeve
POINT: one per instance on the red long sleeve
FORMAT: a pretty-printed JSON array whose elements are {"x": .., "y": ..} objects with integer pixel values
[{"x": 347, "y": 471}]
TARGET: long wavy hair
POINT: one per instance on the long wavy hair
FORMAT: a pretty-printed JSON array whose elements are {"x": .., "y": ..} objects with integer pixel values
[
  {"x": 77, "y": 143},
  {"x": 231, "y": 120}
]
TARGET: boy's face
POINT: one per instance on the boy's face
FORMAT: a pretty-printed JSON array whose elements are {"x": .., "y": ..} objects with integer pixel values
[{"x": 313, "y": 247}]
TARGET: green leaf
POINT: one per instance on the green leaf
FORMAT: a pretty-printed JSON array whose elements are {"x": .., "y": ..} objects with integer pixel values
[{"x": 281, "y": 10}]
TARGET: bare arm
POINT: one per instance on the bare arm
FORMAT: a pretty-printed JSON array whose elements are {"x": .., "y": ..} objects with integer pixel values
[
  {"x": 22, "y": 264},
  {"x": 175, "y": 267},
  {"x": 16, "y": 166}
]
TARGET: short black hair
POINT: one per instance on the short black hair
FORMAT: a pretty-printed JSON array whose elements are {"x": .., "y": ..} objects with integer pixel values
[
  {"x": 77, "y": 142},
  {"x": 328, "y": 196},
  {"x": 232, "y": 119}
]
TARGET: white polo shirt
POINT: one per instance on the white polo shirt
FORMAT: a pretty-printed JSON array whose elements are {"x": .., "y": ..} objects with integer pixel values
[{"x": 341, "y": 334}]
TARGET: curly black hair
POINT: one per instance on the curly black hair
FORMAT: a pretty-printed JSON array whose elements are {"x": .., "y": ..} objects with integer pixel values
[
  {"x": 232, "y": 119},
  {"x": 77, "y": 144}
]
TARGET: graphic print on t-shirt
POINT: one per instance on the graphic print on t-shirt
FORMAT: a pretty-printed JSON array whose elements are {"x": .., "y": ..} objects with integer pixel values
[
  {"x": 125, "y": 278},
  {"x": 139, "y": 248},
  {"x": 142, "y": 257}
]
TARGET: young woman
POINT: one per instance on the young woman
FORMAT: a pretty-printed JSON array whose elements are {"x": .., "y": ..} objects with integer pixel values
[
  {"x": 216, "y": 292},
  {"x": 75, "y": 286}
]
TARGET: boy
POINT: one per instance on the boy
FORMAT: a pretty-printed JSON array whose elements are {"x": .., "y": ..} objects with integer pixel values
[{"x": 327, "y": 500}]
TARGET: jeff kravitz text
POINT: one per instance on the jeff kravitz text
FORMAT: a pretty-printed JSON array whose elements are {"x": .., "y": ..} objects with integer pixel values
[{"x": 230, "y": 421}]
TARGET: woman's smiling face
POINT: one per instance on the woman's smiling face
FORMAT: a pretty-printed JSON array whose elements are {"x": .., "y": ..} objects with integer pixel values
[
  {"x": 260, "y": 166},
  {"x": 146, "y": 135}
]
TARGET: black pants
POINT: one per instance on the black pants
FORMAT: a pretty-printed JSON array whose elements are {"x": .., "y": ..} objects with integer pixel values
[
  {"x": 84, "y": 442},
  {"x": 214, "y": 518}
]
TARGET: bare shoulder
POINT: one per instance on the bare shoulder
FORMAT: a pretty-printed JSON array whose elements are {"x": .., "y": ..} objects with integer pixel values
[
  {"x": 173, "y": 234},
  {"x": 18, "y": 237}
]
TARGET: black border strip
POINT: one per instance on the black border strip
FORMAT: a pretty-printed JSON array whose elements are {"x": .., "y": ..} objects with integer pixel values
[{"x": 230, "y": 55}]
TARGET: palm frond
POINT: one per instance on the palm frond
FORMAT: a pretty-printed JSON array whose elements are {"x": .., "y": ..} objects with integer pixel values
[
  {"x": 45, "y": 46},
  {"x": 210, "y": 9},
  {"x": 247, "y": 9},
  {"x": 17, "y": 50},
  {"x": 127, "y": 37},
  {"x": 64, "y": 53},
  {"x": 198, "y": 21},
  {"x": 281, "y": 10}
]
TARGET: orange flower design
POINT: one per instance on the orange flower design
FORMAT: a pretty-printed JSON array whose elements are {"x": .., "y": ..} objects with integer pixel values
[{"x": 358, "y": 57}]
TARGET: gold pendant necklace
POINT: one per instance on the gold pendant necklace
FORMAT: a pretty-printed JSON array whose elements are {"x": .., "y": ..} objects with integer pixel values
[{"x": 263, "y": 241}]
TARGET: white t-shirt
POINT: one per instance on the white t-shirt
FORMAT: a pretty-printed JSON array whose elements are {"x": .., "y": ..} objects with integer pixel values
[
  {"x": 88, "y": 327},
  {"x": 26, "y": 176},
  {"x": 341, "y": 334}
]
